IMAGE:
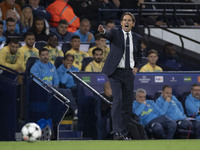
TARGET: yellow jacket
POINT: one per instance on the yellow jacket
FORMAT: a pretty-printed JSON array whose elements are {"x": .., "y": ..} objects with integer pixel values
[
  {"x": 78, "y": 57},
  {"x": 27, "y": 52},
  {"x": 54, "y": 53},
  {"x": 12, "y": 61},
  {"x": 149, "y": 68},
  {"x": 94, "y": 67}
]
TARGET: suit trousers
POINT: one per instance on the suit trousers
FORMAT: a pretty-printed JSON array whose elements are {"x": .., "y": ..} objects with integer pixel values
[{"x": 122, "y": 85}]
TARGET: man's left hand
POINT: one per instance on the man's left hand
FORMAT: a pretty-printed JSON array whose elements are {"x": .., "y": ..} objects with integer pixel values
[{"x": 135, "y": 70}]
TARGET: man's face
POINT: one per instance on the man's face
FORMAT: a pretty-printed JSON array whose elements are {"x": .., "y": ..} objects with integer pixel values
[
  {"x": 140, "y": 97},
  {"x": 62, "y": 29},
  {"x": 98, "y": 56},
  {"x": 13, "y": 47},
  {"x": 101, "y": 41},
  {"x": 85, "y": 27},
  {"x": 39, "y": 24},
  {"x": 11, "y": 27},
  {"x": 167, "y": 93},
  {"x": 75, "y": 44},
  {"x": 34, "y": 3},
  {"x": 53, "y": 41},
  {"x": 30, "y": 40},
  {"x": 44, "y": 56},
  {"x": 127, "y": 23},
  {"x": 68, "y": 62},
  {"x": 196, "y": 92},
  {"x": 109, "y": 26},
  {"x": 152, "y": 58}
]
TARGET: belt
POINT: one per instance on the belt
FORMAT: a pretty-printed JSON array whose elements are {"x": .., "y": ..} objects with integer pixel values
[{"x": 125, "y": 69}]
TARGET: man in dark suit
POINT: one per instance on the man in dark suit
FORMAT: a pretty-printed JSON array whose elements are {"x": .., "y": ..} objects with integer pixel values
[{"x": 121, "y": 67}]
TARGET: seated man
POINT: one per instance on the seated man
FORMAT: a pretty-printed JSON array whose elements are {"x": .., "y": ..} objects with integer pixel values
[
  {"x": 76, "y": 52},
  {"x": 151, "y": 65},
  {"x": 84, "y": 32},
  {"x": 65, "y": 78},
  {"x": 46, "y": 71},
  {"x": 10, "y": 25},
  {"x": 96, "y": 65},
  {"x": 192, "y": 102},
  {"x": 152, "y": 117},
  {"x": 100, "y": 43},
  {"x": 61, "y": 31},
  {"x": 52, "y": 43},
  {"x": 28, "y": 50},
  {"x": 173, "y": 109},
  {"x": 11, "y": 57}
]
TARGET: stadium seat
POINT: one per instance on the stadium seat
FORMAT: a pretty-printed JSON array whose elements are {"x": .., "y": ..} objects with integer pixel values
[
  {"x": 40, "y": 44},
  {"x": 29, "y": 63},
  {"x": 58, "y": 62},
  {"x": 85, "y": 62},
  {"x": 66, "y": 47}
]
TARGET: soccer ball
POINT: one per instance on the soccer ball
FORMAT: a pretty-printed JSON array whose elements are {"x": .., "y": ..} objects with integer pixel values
[{"x": 31, "y": 132}]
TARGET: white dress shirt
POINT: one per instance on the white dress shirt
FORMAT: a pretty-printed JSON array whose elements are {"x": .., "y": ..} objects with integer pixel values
[{"x": 122, "y": 61}]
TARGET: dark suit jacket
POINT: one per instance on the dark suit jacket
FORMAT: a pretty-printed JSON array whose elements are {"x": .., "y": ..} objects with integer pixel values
[{"x": 116, "y": 38}]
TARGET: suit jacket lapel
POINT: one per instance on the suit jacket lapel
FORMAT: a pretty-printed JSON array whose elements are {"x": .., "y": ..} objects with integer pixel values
[{"x": 121, "y": 34}]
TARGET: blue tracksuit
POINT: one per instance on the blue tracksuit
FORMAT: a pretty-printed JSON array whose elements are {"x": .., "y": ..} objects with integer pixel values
[
  {"x": 172, "y": 109},
  {"x": 155, "y": 122},
  {"x": 146, "y": 112},
  {"x": 46, "y": 72},
  {"x": 192, "y": 106},
  {"x": 66, "y": 78}
]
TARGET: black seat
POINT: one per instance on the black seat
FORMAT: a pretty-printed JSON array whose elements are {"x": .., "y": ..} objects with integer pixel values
[
  {"x": 157, "y": 94},
  {"x": 29, "y": 63},
  {"x": 85, "y": 62},
  {"x": 58, "y": 61},
  {"x": 40, "y": 44},
  {"x": 66, "y": 47}
]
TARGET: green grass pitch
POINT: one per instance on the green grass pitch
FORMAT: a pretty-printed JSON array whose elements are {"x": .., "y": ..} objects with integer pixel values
[{"x": 103, "y": 145}]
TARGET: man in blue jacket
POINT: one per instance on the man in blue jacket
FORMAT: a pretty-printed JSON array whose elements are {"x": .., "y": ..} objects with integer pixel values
[
  {"x": 192, "y": 102},
  {"x": 46, "y": 71},
  {"x": 152, "y": 117},
  {"x": 173, "y": 109}
]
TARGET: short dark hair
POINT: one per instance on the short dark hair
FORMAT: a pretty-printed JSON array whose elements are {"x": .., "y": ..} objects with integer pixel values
[
  {"x": 10, "y": 19},
  {"x": 75, "y": 37},
  {"x": 1, "y": 22},
  {"x": 63, "y": 21},
  {"x": 98, "y": 36},
  {"x": 50, "y": 35},
  {"x": 43, "y": 50},
  {"x": 130, "y": 14},
  {"x": 68, "y": 55},
  {"x": 152, "y": 51},
  {"x": 195, "y": 84},
  {"x": 14, "y": 40},
  {"x": 166, "y": 86},
  {"x": 96, "y": 49},
  {"x": 28, "y": 34},
  {"x": 109, "y": 21}
]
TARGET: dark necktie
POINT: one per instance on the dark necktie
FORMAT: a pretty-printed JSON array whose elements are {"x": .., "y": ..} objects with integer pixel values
[{"x": 127, "y": 56}]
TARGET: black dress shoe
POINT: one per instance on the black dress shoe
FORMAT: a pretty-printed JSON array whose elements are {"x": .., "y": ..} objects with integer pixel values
[{"x": 118, "y": 136}]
